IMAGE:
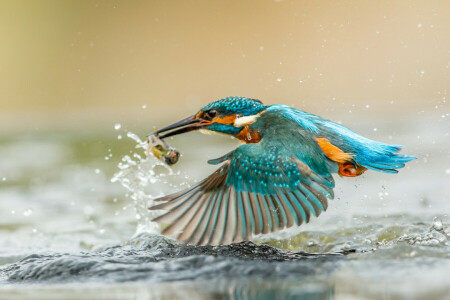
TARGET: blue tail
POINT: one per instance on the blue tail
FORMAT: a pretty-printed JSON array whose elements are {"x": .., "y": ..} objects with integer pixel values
[
  {"x": 382, "y": 157},
  {"x": 367, "y": 153}
]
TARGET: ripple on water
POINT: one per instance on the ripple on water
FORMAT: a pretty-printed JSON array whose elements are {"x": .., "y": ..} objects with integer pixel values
[{"x": 155, "y": 258}]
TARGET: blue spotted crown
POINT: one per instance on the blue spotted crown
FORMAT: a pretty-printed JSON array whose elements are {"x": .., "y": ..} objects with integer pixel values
[{"x": 235, "y": 105}]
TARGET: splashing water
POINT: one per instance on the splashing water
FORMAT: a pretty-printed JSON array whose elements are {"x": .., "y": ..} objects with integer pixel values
[{"x": 145, "y": 178}]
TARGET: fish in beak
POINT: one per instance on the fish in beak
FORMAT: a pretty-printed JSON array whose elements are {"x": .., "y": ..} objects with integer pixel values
[{"x": 161, "y": 149}]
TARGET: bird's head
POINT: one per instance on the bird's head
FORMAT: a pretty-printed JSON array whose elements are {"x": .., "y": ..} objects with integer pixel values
[{"x": 229, "y": 115}]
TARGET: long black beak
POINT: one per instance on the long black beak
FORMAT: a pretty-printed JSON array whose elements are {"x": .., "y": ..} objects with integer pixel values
[{"x": 189, "y": 124}]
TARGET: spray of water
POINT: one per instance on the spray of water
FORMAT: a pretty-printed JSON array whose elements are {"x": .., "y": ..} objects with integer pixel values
[{"x": 145, "y": 178}]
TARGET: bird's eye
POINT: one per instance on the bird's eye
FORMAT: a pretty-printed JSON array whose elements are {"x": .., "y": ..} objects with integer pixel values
[{"x": 210, "y": 114}]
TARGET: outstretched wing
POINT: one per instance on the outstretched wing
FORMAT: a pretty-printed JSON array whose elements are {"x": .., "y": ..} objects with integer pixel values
[{"x": 260, "y": 188}]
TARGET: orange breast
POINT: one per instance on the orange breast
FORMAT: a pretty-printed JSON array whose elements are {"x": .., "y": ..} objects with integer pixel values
[{"x": 248, "y": 135}]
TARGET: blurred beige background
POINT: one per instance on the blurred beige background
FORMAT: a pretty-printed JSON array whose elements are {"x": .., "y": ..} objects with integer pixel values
[{"x": 71, "y": 62}]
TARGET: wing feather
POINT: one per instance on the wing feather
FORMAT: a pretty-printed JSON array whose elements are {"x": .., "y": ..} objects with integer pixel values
[
  {"x": 267, "y": 221},
  {"x": 182, "y": 217},
  {"x": 273, "y": 213},
  {"x": 259, "y": 188},
  {"x": 301, "y": 200},
  {"x": 254, "y": 203},
  {"x": 249, "y": 220},
  {"x": 240, "y": 219},
  {"x": 194, "y": 222},
  {"x": 279, "y": 210},
  {"x": 199, "y": 231},
  {"x": 180, "y": 209},
  {"x": 291, "y": 214},
  {"x": 219, "y": 226},
  {"x": 230, "y": 226},
  {"x": 211, "y": 220},
  {"x": 297, "y": 209}
]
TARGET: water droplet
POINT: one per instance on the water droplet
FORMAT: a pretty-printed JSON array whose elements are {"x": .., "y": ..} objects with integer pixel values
[
  {"x": 117, "y": 126},
  {"x": 101, "y": 231},
  {"x": 279, "y": 79},
  {"x": 13, "y": 212},
  {"x": 367, "y": 105},
  {"x": 261, "y": 48},
  {"x": 34, "y": 230},
  {"x": 437, "y": 224},
  {"x": 447, "y": 171},
  {"x": 419, "y": 25},
  {"x": 144, "y": 106},
  {"x": 119, "y": 137},
  {"x": 375, "y": 129},
  {"x": 4, "y": 179},
  {"x": 97, "y": 171},
  {"x": 27, "y": 212},
  {"x": 300, "y": 80}
]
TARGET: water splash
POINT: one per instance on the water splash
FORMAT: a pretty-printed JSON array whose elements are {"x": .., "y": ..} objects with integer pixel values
[
  {"x": 145, "y": 178},
  {"x": 434, "y": 235}
]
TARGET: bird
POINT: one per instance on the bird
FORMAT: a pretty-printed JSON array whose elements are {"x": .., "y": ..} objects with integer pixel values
[{"x": 280, "y": 175}]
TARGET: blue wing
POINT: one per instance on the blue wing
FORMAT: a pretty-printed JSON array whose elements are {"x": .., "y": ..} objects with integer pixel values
[{"x": 260, "y": 188}]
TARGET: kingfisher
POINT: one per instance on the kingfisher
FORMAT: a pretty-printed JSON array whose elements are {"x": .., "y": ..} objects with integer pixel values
[{"x": 278, "y": 177}]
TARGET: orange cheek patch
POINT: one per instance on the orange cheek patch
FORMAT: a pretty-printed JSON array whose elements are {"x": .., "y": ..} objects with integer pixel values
[{"x": 226, "y": 120}]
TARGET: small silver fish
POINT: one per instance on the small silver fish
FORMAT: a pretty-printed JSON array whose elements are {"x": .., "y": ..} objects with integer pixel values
[{"x": 161, "y": 150}]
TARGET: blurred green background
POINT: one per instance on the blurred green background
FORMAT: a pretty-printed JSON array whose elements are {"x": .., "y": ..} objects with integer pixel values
[{"x": 69, "y": 64}]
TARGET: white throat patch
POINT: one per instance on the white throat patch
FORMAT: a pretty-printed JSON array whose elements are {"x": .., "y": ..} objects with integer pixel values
[{"x": 247, "y": 120}]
